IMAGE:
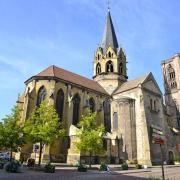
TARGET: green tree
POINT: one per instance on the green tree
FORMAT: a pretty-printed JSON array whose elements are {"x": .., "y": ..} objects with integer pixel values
[
  {"x": 90, "y": 136},
  {"x": 1, "y": 135},
  {"x": 43, "y": 126},
  {"x": 11, "y": 132}
]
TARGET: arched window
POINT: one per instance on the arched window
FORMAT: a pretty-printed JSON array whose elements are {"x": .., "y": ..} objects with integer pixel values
[
  {"x": 115, "y": 121},
  {"x": 109, "y": 54},
  {"x": 151, "y": 104},
  {"x": 60, "y": 103},
  {"x": 121, "y": 68},
  {"x": 109, "y": 66},
  {"x": 98, "y": 69},
  {"x": 171, "y": 77},
  {"x": 98, "y": 57},
  {"x": 171, "y": 72},
  {"x": 155, "y": 108},
  {"x": 41, "y": 96},
  {"x": 76, "y": 106},
  {"x": 107, "y": 115},
  {"x": 91, "y": 105}
]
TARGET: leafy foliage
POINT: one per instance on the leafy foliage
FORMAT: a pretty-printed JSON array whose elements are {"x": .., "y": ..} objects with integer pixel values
[
  {"x": 43, "y": 126},
  {"x": 90, "y": 135},
  {"x": 49, "y": 168},
  {"x": 11, "y": 131},
  {"x": 12, "y": 166},
  {"x": 82, "y": 167},
  {"x": 103, "y": 167},
  {"x": 30, "y": 162},
  {"x": 177, "y": 158},
  {"x": 124, "y": 166},
  {"x": 139, "y": 166}
]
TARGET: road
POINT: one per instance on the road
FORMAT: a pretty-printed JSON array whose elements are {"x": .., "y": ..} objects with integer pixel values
[{"x": 171, "y": 173}]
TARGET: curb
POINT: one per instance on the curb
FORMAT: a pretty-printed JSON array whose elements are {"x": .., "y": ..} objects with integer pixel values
[{"x": 133, "y": 171}]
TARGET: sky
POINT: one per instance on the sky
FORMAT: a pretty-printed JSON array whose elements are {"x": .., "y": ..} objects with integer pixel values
[{"x": 35, "y": 34}]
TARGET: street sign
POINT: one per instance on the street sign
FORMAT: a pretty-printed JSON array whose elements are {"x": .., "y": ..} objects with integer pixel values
[
  {"x": 156, "y": 131},
  {"x": 157, "y": 135},
  {"x": 35, "y": 147},
  {"x": 178, "y": 147},
  {"x": 158, "y": 141}
]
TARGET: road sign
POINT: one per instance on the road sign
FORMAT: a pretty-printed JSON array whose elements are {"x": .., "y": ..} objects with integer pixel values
[
  {"x": 178, "y": 147},
  {"x": 35, "y": 147},
  {"x": 158, "y": 141},
  {"x": 157, "y": 135}
]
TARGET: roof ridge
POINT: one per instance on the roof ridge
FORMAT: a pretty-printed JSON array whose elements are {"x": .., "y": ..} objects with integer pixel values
[
  {"x": 68, "y": 76},
  {"x": 74, "y": 73},
  {"x": 133, "y": 83}
]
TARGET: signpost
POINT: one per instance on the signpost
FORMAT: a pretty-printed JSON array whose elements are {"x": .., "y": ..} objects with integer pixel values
[
  {"x": 35, "y": 149},
  {"x": 157, "y": 138}
]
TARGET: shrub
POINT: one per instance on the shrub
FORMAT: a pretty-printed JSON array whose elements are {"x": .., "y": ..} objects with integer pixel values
[
  {"x": 177, "y": 159},
  {"x": 139, "y": 166},
  {"x": 49, "y": 168},
  {"x": 82, "y": 168},
  {"x": 103, "y": 167},
  {"x": 12, "y": 167},
  {"x": 2, "y": 162},
  {"x": 124, "y": 166},
  {"x": 1, "y": 165},
  {"x": 30, "y": 162}
]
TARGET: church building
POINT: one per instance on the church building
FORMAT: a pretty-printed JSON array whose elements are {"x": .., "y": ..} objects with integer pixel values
[{"x": 128, "y": 109}]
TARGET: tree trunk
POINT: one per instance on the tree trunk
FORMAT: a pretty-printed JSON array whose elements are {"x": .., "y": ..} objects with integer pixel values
[
  {"x": 11, "y": 154},
  {"x": 40, "y": 153},
  {"x": 90, "y": 155}
]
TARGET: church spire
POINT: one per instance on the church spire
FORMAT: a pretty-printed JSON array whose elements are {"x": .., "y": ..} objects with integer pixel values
[{"x": 109, "y": 36}]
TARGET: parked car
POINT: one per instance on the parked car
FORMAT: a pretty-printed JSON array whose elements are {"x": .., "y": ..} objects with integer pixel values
[{"x": 5, "y": 156}]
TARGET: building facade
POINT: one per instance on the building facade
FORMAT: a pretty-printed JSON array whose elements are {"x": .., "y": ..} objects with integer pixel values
[{"x": 128, "y": 109}]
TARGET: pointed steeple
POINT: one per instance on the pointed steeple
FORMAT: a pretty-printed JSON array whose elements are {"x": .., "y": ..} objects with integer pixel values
[{"x": 109, "y": 36}]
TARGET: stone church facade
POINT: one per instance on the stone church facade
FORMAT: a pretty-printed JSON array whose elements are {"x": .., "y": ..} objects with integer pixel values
[{"x": 128, "y": 109}]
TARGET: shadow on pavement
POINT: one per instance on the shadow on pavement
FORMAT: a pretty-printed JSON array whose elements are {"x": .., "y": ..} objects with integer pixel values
[{"x": 67, "y": 175}]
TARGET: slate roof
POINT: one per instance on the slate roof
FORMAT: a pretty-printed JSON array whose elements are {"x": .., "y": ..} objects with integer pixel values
[
  {"x": 62, "y": 74},
  {"x": 109, "y": 36},
  {"x": 131, "y": 84}
]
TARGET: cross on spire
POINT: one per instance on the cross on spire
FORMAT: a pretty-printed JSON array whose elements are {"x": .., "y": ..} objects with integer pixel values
[
  {"x": 108, "y": 5},
  {"x": 109, "y": 36}
]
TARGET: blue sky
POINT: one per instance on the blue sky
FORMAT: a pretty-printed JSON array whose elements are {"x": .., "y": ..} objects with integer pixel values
[{"x": 35, "y": 34}]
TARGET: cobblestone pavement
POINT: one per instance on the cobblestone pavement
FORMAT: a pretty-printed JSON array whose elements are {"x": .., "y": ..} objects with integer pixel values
[{"x": 171, "y": 173}]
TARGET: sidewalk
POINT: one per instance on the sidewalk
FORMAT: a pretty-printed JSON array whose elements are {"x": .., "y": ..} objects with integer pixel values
[{"x": 115, "y": 168}]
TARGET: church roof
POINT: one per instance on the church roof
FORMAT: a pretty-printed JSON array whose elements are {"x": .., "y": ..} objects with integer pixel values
[
  {"x": 68, "y": 76},
  {"x": 131, "y": 84},
  {"x": 109, "y": 36}
]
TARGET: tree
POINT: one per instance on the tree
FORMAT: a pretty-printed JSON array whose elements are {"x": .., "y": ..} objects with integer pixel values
[
  {"x": 11, "y": 132},
  {"x": 90, "y": 135},
  {"x": 1, "y": 135},
  {"x": 43, "y": 126}
]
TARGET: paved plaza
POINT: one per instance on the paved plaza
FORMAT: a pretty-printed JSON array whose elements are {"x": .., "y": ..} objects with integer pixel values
[{"x": 172, "y": 173}]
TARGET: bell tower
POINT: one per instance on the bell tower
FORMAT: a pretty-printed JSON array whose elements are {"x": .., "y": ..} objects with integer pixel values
[
  {"x": 109, "y": 60},
  {"x": 171, "y": 73}
]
